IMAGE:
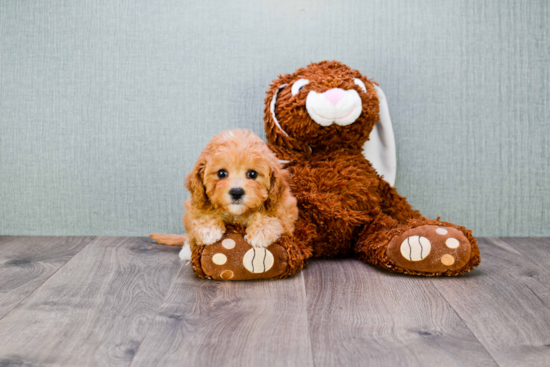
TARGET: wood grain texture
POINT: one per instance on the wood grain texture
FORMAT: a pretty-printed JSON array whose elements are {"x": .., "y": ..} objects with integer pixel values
[
  {"x": 121, "y": 301},
  {"x": 535, "y": 249},
  {"x": 95, "y": 310},
  {"x": 361, "y": 316},
  {"x": 506, "y": 303},
  {"x": 27, "y": 262},
  {"x": 248, "y": 323}
]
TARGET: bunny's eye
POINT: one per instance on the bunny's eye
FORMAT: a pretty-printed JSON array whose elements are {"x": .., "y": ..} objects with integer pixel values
[
  {"x": 222, "y": 173},
  {"x": 297, "y": 87},
  {"x": 360, "y": 83}
]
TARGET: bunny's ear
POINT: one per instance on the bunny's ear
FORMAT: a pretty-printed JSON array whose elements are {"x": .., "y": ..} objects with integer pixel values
[{"x": 380, "y": 148}]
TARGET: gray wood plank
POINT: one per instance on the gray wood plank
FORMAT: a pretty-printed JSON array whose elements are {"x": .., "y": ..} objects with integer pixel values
[
  {"x": 506, "y": 304},
  {"x": 95, "y": 310},
  {"x": 27, "y": 262},
  {"x": 247, "y": 323},
  {"x": 5, "y": 239},
  {"x": 363, "y": 316},
  {"x": 536, "y": 249}
]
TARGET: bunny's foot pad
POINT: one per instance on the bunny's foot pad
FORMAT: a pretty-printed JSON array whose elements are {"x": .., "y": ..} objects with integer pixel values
[
  {"x": 431, "y": 249},
  {"x": 232, "y": 258}
]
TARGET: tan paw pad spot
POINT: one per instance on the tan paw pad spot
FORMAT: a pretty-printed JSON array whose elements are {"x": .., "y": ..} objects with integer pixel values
[
  {"x": 258, "y": 260},
  {"x": 219, "y": 259},
  {"x": 441, "y": 231},
  {"x": 415, "y": 248},
  {"x": 228, "y": 243},
  {"x": 226, "y": 274},
  {"x": 447, "y": 260}
]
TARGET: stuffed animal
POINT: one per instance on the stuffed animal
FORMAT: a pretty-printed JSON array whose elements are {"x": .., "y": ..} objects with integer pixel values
[
  {"x": 330, "y": 126},
  {"x": 318, "y": 121}
]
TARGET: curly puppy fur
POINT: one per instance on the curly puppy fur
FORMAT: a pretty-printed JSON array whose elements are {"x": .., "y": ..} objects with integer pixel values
[
  {"x": 236, "y": 160},
  {"x": 346, "y": 208}
]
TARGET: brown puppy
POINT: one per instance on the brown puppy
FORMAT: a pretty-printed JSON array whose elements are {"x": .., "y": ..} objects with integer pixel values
[{"x": 237, "y": 179}]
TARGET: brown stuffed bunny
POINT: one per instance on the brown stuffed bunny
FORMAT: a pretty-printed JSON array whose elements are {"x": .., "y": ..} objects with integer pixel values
[{"x": 318, "y": 121}]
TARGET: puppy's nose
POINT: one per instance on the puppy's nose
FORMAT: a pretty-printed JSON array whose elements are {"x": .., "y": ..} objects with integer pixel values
[
  {"x": 334, "y": 95},
  {"x": 236, "y": 193}
]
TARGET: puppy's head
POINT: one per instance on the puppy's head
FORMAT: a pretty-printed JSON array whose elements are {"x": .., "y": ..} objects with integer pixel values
[{"x": 237, "y": 174}]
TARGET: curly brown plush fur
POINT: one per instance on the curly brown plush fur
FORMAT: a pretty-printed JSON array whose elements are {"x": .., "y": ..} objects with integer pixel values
[{"x": 346, "y": 208}]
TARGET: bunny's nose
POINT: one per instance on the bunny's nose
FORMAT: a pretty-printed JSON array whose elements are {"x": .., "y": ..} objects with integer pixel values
[
  {"x": 334, "y": 95},
  {"x": 236, "y": 193}
]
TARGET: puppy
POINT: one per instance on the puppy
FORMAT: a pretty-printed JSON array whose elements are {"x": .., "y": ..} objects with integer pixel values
[{"x": 237, "y": 179}]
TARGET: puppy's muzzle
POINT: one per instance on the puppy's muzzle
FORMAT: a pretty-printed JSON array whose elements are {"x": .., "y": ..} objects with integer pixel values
[{"x": 236, "y": 193}]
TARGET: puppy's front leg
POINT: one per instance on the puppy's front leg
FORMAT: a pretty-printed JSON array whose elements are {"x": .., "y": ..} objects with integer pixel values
[
  {"x": 262, "y": 231},
  {"x": 208, "y": 230}
]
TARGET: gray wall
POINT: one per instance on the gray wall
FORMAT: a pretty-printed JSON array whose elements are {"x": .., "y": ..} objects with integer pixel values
[{"x": 105, "y": 105}]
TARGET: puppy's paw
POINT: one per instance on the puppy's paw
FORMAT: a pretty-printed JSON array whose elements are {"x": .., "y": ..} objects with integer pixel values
[
  {"x": 263, "y": 237},
  {"x": 185, "y": 253},
  {"x": 208, "y": 235}
]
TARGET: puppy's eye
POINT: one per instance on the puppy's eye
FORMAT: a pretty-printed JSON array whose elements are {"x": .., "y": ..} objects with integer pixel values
[
  {"x": 222, "y": 173},
  {"x": 360, "y": 83},
  {"x": 297, "y": 87},
  {"x": 252, "y": 174}
]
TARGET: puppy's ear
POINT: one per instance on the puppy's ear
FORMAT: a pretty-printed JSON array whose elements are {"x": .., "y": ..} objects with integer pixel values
[
  {"x": 195, "y": 185},
  {"x": 278, "y": 185}
]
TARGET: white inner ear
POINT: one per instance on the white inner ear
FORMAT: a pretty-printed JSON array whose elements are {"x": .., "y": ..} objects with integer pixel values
[
  {"x": 360, "y": 83},
  {"x": 379, "y": 150},
  {"x": 272, "y": 108},
  {"x": 296, "y": 86}
]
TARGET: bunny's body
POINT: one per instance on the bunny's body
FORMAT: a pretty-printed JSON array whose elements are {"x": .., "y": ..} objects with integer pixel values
[{"x": 318, "y": 120}]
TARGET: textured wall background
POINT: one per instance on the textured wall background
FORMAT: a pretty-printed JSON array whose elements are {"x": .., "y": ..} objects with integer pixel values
[{"x": 105, "y": 105}]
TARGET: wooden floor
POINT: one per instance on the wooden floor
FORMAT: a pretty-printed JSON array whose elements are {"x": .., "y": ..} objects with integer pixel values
[{"x": 106, "y": 301}]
